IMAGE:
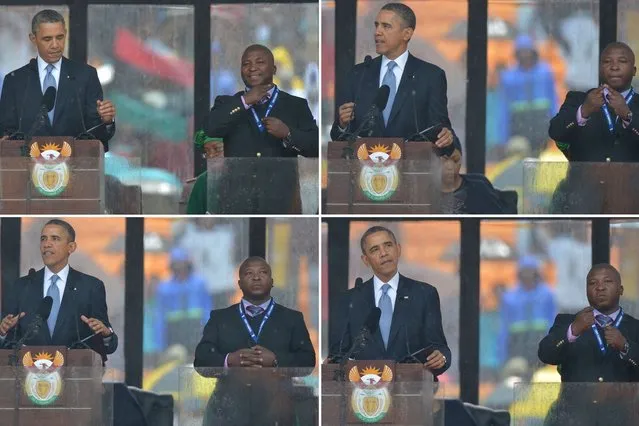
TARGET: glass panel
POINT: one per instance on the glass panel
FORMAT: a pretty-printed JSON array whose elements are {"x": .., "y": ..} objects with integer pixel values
[
  {"x": 530, "y": 271},
  {"x": 99, "y": 253},
  {"x": 202, "y": 254},
  {"x": 328, "y": 78},
  {"x": 558, "y": 45},
  {"x": 434, "y": 260},
  {"x": 624, "y": 238},
  {"x": 324, "y": 295},
  {"x": 627, "y": 31},
  {"x": 15, "y": 26},
  {"x": 144, "y": 58}
]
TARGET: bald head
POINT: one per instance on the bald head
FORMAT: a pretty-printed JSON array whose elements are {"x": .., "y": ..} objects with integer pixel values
[
  {"x": 259, "y": 48},
  {"x": 621, "y": 46}
]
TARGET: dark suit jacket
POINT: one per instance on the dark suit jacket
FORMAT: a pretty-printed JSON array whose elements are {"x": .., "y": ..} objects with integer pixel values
[
  {"x": 427, "y": 80},
  {"x": 83, "y": 295},
  {"x": 229, "y": 120},
  {"x": 416, "y": 323},
  {"x": 582, "y": 362},
  {"x": 235, "y": 403},
  {"x": 594, "y": 142},
  {"x": 22, "y": 97}
]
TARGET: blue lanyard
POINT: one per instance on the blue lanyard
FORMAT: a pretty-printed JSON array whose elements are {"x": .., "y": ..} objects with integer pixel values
[
  {"x": 604, "y": 108},
  {"x": 271, "y": 104},
  {"x": 255, "y": 337},
  {"x": 602, "y": 347}
]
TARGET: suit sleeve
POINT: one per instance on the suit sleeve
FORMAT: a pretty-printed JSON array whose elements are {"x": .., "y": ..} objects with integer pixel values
[
  {"x": 99, "y": 311},
  {"x": 305, "y": 133},
  {"x": 564, "y": 129},
  {"x": 553, "y": 347},
  {"x": 8, "y": 107},
  {"x": 434, "y": 331},
  {"x": 438, "y": 109},
  {"x": 227, "y": 113},
  {"x": 632, "y": 130},
  {"x": 92, "y": 118},
  {"x": 342, "y": 98},
  {"x": 10, "y": 306},
  {"x": 339, "y": 329},
  {"x": 300, "y": 352},
  {"x": 207, "y": 354}
]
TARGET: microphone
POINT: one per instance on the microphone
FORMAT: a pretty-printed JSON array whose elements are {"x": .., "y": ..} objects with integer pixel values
[
  {"x": 79, "y": 343},
  {"x": 381, "y": 99},
  {"x": 338, "y": 356},
  {"x": 367, "y": 62},
  {"x": 84, "y": 135},
  {"x": 48, "y": 99},
  {"x": 42, "y": 314},
  {"x": 414, "y": 94}
]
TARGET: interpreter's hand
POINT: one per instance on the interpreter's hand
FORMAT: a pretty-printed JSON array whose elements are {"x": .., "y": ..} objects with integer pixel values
[
  {"x": 614, "y": 338},
  {"x": 584, "y": 320},
  {"x": 617, "y": 102},
  {"x": 444, "y": 138},
  {"x": 593, "y": 102},
  {"x": 276, "y": 127},
  {"x": 257, "y": 93},
  {"x": 9, "y": 322},
  {"x": 106, "y": 110},
  {"x": 96, "y": 326},
  {"x": 243, "y": 358},
  {"x": 435, "y": 361},
  {"x": 267, "y": 357},
  {"x": 346, "y": 114}
]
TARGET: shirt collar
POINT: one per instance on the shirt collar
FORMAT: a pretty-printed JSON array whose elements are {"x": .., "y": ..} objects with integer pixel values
[
  {"x": 270, "y": 93},
  {"x": 264, "y": 305},
  {"x": 612, "y": 316},
  {"x": 42, "y": 65},
  {"x": 63, "y": 274},
  {"x": 400, "y": 61},
  {"x": 393, "y": 282},
  {"x": 624, "y": 93}
]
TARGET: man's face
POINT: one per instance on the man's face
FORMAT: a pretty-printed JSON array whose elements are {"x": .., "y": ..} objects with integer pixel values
[
  {"x": 450, "y": 167},
  {"x": 55, "y": 247},
  {"x": 257, "y": 68},
  {"x": 49, "y": 40},
  {"x": 603, "y": 289},
  {"x": 381, "y": 254},
  {"x": 618, "y": 68},
  {"x": 255, "y": 280},
  {"x": 391, "y": 39}
]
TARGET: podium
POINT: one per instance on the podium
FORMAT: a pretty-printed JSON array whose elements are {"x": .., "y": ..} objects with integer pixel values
[
  {"x": 379, "y": 392},
  {"x": 52, "y": 175},
  {"x": 383, "y": 176},
  {"x": 55, "y": 386}
]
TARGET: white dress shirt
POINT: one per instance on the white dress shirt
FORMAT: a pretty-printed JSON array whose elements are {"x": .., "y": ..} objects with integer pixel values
[
  {"x": 392, "y": 291},
  {"x": 42, "y": 71},
  {"x": 398, "y": 70},
  {"x": 61, "y": 282},
  {"x": 572, "y": 338}
]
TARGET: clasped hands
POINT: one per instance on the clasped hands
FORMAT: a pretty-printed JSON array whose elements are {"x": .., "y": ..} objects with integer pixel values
[{"x": 256, "y": 357}]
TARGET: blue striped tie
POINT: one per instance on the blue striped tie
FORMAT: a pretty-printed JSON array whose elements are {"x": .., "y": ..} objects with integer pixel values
[
  {"x": 386, "y": 306},
  {"x": 49, "y": 81},
  {"x": 391, "y": 82},
  {"x": 54, "y": 292}
]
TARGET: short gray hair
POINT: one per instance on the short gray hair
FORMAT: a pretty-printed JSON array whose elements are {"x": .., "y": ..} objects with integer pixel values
[{"x": 46, "y": 16}]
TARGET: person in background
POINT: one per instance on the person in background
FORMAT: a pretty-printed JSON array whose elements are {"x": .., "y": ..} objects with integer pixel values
[{"x": 198, "y": 199}]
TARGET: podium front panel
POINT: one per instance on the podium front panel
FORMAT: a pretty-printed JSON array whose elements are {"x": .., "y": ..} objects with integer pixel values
[
  {"x": 43, "y": 393},
  {"x": 575, "y": 404},
  {"x": 220, "y": 396},
  {"x": 580, "y": 188},
  {"x": 263, "y": 185}
]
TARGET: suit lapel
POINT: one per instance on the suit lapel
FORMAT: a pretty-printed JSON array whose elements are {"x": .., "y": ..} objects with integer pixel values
[
  {"x": 67, "y": 308},
  {"x": 368, "y": 91},
  {"x": 367, "y": 303},
  {"x": 404, "y": 88},
  {"x": 400, "y": 311},
  {"x": 34, "y": 298},
  {"x": 64, "y": 91},
  {"x": 34, "y": 96}
]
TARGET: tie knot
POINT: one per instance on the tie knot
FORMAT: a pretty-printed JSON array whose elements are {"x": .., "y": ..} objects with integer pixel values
[
  {"x": 385, "y": 288},
  {"x": 54, "y": 279},
  {"x": 49, "y": 68},
  {"x": 603, "y": 320},
  {"x": 391, "y": 65},
  {"x": 254, "y": 310}
]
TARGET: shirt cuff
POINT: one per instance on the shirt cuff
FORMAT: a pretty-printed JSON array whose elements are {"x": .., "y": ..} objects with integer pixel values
[
  {"x": 571, "y": 337},
  {"x": 625, "y": 124},
  {"x": 581, "y": 121},
  {"x": 226, "y": 361},
  {"x": 246, "y": 106},
  {"x": 107, "y": 339}
]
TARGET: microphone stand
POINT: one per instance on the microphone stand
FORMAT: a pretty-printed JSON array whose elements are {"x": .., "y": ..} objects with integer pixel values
[
  {"x": 340, "y": 374},
  {"x": 33, "y": 329}
]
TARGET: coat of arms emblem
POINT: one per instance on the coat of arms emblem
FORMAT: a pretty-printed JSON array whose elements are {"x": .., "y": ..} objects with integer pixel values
[
  {"x": 379, "y": 176},
  {"x": 50, "y": 174},
  {"x": 43, "y": 384},
  {"x": 370, "y": 399}
]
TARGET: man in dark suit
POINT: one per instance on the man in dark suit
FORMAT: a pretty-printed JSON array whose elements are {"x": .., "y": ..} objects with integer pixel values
[
  {"x": 262, "y": 122},
  {"x": 597, "y": 126},
  {"x": 79, "y": 306},
  {"x": 79, "y": 104},
  {"x": 411, "y": 316},
  {"x": 417, "y": 88},
  {"x": 600, "y": 344},
  {"x": 255, "y": 333}
]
